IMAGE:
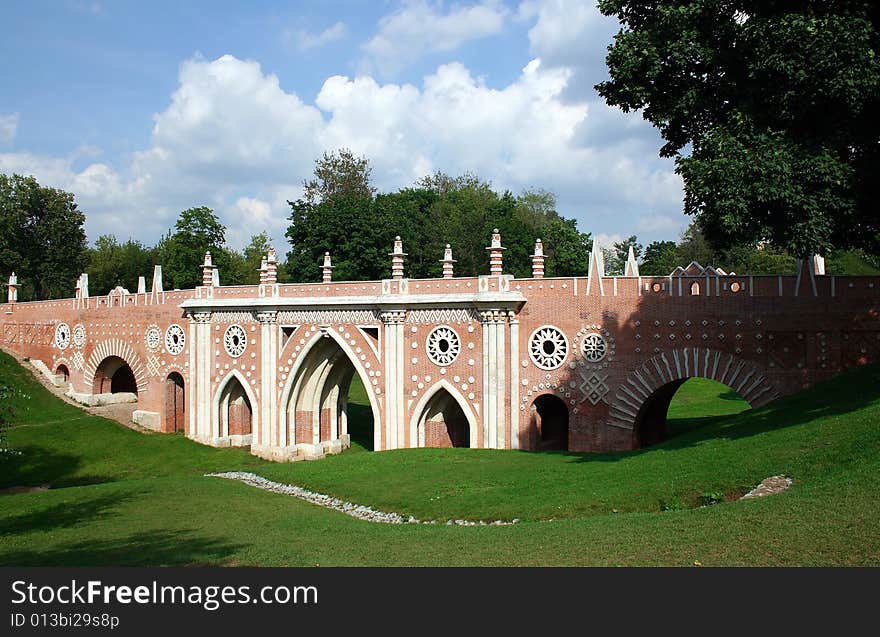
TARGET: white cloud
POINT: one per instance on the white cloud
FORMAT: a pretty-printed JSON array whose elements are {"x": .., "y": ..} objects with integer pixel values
[
  {"x": 304, "y": 40},
  {"x": 233, "y": 139},
  {"x": 8, "y": 128},
  {"x": 420, "y": 27}
]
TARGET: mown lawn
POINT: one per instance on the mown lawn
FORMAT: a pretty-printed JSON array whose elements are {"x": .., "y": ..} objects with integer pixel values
[{"x": 121, "y": 497}]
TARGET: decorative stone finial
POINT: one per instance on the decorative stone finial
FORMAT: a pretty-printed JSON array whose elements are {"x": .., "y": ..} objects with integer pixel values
[
  {"x": 327, "y": 269},
  {"x": 271, "y": 266},
  {"x": 207, "y": 271},
  {"x": 495, "y": 250},
  {"x": 142, "y": 285},
  {"x": 397, "y": 259},
  {"x": 538, "y": 260},
  {"x": 818, "y": 265},
  {"x": 264, "y": 266},
  {"x": 12, "y": 289},
  {"x": 447, "y": 262}
]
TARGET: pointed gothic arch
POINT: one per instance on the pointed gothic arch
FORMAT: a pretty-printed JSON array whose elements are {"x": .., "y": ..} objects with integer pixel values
[
  {"x": 224, "y": 400},
  {"x": 319, "y": 385},
  {"x": 421, "y": 410}
]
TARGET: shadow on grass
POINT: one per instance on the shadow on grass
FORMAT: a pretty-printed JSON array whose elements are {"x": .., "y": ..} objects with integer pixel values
[
  {"x": 65, "y": 514},
  {"x": 36, "y": 465},
  {"x": 153, "y": 548},
  {"x": 40, "y": 465}
]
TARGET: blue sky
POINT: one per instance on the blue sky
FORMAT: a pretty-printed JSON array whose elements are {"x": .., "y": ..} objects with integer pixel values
[{"x": 145, "y": 109}]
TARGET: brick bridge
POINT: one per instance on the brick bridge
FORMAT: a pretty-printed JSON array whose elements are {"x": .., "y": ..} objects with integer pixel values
[{"x": 578, "y": 363}]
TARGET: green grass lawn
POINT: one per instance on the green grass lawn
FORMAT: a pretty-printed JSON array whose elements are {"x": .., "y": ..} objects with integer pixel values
[{"x": 120, "y": 497}]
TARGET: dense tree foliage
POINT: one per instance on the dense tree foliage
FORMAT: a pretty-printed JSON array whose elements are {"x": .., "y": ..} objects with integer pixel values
[
  {"x": 41, "y": 238},
  {"x": 341, "y": 214},
  {"x": 112, "y": 264},
  {"x": 771, "y": 109}
]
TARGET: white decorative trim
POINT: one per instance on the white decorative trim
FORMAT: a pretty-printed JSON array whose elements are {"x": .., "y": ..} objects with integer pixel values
[
  {"x": 448, "y": 315},
  {"x": 328, "y": 317},
  {"x": 121, "y": 349}
]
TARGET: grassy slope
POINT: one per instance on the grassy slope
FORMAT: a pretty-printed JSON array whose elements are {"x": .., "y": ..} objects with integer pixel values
[{"x": 131, "y": 498}]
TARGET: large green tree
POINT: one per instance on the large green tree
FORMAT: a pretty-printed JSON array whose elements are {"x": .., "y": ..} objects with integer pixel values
[
  {"x": 770, "y": 109},
  {"x": 41, "y": 238},
  {"x": 181, "y": 252}
]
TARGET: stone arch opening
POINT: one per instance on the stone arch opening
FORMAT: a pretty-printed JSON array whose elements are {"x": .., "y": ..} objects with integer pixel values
[
  {"x": 443, "y": 423},
  {"x": 114, "y": 376},
  {"x": 325, "y": 405},
  {"x": 175, "y": 403},
  {"x": 62, "y": 374},
  {"x": 695, "y": 289},
  {"x": 550, "y": 423},
  {"x": 702, "y": 400},
  {"x": 236, "y": 412}
]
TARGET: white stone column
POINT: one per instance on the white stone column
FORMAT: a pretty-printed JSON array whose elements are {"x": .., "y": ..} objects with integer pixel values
[
  {"x": 514, "y": 380},
  {"x": 494, "y": 389},
  {"x": 394, "y": 374},
  {"x": 202, "y": 376},
  {"x": 269, "y": 420}
]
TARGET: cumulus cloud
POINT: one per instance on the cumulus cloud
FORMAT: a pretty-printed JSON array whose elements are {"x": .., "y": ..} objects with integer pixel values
[
  {"x": 8, "y": 127},
  {"x": 420, "y": 27},
  {"x": 304, "y": 40},
  {"x": 233, "y": 139}
]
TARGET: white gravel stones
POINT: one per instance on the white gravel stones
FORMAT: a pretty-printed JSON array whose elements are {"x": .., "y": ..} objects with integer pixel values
[
  {"x": 368, "y": 514},
  {"x": 773, "y": 484}
]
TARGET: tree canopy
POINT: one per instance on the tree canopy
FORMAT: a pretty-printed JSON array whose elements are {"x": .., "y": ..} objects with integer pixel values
[
  {"x": 41, "y": 237},
  {"x": 770, "y": 108},
  {"x": 342, "y": 213}
]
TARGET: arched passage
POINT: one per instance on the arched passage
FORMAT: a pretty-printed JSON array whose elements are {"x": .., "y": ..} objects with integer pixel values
[
  {"x": 236, "y": 414},
  {"x": 549, "y": 423},
  {"x": 641, "y": 402},
  {"x": 114, "y": 376},
  {"x": 316, "y": 400},
  {"x": 62, "y": 374},
  {"x": 443, "y": 422},
  {"x": 175, "y": 403}
]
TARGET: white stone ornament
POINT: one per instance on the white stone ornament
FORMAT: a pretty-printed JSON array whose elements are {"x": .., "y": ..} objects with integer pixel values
[
  {"x": 62, "y": 335},
  {"x": 79, "y": 335},
  {"x": 594, "y": 347},
  {"x": 153, "y": 338},
  {"x": 548, "y": 347},
  {"x": 235, "y": 340},
  {"x": 175, "y": 339},
  {"x": 443, "y": 345}
]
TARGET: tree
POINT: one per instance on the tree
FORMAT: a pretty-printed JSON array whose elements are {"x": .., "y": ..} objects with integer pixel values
[
  {"x": 181, "y": 253},
  {"x": 339, "y": 174},
  {"x": 661, "y": 258},
  {"x": 112, "y": 264},
  {"x": 41, "y": 238},
  {"x": 617, "y": 255},
  {"x": 771, "y": 110}
]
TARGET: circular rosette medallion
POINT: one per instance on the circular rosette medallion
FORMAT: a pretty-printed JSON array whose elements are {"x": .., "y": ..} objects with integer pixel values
[
  {"x": 235, "y": 340},
  {"x": 548, "y": 347},
  {"x": 175, "y": 339},
  {"x": 443, "y": 345},
  {"x": 62, "y": 335}
]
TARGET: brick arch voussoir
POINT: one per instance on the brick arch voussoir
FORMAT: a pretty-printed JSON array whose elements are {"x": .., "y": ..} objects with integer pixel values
[
  {"x": 745, "y": 377},
  {"x": 121, "y": 349}
]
